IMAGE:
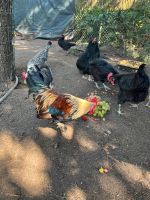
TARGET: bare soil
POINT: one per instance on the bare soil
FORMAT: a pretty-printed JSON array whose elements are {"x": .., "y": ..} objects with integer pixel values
[{"x": 32, "y": 169}]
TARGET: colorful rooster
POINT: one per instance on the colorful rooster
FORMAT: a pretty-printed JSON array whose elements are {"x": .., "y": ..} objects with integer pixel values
[{"x": 60, "y": 108}]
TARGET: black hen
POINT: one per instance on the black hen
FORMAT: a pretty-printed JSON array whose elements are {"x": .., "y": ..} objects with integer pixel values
[
  {"x": 65, "y": 44},
  {"x": 102, "y": 71},
  {"x": 91, "y": 53},
  {"x": 133, "y": 87}
]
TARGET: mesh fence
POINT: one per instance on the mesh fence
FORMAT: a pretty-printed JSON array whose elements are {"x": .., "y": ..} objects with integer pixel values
[{"x": 123, "y": 24}]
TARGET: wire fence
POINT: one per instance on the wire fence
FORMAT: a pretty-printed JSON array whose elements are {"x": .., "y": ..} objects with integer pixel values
[{"x": 119, "y": 26}]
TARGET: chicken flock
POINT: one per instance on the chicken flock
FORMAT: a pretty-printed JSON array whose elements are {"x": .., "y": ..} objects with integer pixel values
[{"x": 61, "y": 108}]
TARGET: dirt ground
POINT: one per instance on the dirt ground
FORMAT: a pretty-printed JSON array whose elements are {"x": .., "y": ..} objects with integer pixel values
[{"x": 32, "y": 169}]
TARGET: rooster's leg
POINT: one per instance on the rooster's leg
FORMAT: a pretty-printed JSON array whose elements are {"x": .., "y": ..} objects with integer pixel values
[
  {"x": 106, "y": 87},
  {"x": 61, "y": 126},
  {"x": 57, "y": 144},
  {"x": 119, "y": 110}
]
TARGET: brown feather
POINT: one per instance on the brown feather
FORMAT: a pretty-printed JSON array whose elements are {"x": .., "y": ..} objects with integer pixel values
[
  {"x": 43, "y": 101},
  {"x": 73, "y": 107},
  {"x": 61, "y": 103}
]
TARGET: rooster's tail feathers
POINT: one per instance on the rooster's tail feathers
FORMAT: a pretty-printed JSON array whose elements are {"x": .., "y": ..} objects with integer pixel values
[{"x": 79, "y": 107}]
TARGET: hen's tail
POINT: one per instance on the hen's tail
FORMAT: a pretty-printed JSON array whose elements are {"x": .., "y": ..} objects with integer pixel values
[
  {"x": 139, "y": 71},
  {"x": 36, "y": 80}
]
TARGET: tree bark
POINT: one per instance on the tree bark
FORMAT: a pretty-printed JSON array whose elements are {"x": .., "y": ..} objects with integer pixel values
[{"x": 6, "y": 47}]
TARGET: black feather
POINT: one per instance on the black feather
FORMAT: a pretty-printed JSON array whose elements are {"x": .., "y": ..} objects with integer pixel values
[
  {"x": 91, "y": 53},
  {"x": 133, "y": 86},
  {"x": 100, "y": 69},
  {"x": 65, "y": 44}
]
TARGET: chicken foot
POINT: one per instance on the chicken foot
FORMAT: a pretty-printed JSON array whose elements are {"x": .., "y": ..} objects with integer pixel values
[
  {"x": 61, "y": 126},
  {"x": 134, "y": 105},
  {"x": 104, "y": 86},
  {"x": 119, "y": 110}
]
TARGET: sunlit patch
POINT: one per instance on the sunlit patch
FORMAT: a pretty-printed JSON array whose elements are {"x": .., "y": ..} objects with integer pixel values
[
  {"x": 124, "y": 5},
  {"x": 134, "y": 173},
  {"x": 76, "y": 193},
  {"x": 23, "y": 164},
  {"x": 86, "y": 144},
  {"x": 48, "y": 132},
  {"x": 106, "y": 182}
]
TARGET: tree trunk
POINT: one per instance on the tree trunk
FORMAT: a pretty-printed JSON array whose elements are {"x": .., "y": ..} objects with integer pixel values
[{"x": 6, "y": 47}]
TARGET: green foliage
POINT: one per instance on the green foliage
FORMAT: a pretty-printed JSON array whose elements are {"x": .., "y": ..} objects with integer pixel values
[{"x": 120, "y": 28}]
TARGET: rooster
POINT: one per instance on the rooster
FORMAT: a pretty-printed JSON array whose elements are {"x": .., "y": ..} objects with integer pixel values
[
  {"x": 102, "y": 71},
  {"x": 133, "y": 87},
  {"x": 60, "y": 108},
  {"x": 91, "y": 53},
  {"x": 65, "y": 44},
  {"x": 40, "y": 58}
]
